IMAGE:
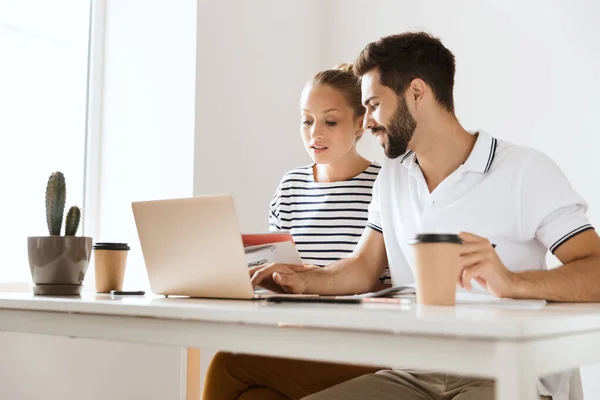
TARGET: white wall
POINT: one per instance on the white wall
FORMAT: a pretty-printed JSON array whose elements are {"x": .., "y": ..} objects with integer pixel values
[
  {"x": 146, "y": 152},
  {"x": 253, "y": 59}
]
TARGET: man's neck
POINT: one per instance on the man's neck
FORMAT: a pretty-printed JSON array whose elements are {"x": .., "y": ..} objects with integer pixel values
[{"x": 442, "y": 147}]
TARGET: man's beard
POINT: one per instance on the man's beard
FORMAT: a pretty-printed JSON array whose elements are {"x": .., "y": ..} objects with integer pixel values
[{"x": 401, "y": 129}]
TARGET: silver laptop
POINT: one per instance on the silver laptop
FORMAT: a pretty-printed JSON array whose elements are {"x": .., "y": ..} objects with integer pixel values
[{"x": 193, "y": 247}]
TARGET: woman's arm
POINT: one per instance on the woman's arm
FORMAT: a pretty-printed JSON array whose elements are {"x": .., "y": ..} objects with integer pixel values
[{"x": 355, "y": 274}]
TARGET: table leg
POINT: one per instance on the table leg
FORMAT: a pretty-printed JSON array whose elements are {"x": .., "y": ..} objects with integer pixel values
[
  {"x": 511, "y": 386},
  {"x": 193, "y": 374},
  {"x": 514, "y": 381}
]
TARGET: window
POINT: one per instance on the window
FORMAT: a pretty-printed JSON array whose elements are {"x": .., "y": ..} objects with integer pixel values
[{"x": 43, "y": 90}]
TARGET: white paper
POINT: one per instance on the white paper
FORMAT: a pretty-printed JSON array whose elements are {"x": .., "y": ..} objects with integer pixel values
[
  {"x": 479, "y": 298},
  {"x": 281, "y": 253}
]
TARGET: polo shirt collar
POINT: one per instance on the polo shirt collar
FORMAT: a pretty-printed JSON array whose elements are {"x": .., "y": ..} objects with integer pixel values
[
  {"x": 408, "y": 159},
  {"x": 480, "y": 160},
  {"x": 483, "y": 153}
]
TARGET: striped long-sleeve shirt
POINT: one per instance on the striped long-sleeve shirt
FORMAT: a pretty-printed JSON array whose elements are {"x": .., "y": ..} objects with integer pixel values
[{"x": 326, "y": 220}]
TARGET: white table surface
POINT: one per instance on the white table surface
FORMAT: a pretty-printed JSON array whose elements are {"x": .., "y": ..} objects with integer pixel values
[{"x": 514, "y": 345}]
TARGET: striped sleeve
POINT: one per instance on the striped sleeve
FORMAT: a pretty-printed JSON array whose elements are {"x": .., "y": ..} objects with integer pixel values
[
  {"x": 274, "y": 221},
  {"x": 551, "y": 210},
  {"x": 572, "y": 220}
]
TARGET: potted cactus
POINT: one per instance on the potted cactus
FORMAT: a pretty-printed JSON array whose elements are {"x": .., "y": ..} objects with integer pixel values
[{"x": 58, "y": 263}]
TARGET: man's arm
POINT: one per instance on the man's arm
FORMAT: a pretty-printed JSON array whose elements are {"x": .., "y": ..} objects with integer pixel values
[
  {"x": 578, "y": 279},
  {"x": 355, "y": 274}
]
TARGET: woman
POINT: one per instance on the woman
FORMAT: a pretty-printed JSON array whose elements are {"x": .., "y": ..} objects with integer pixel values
[{"x": 324, "y": 207}]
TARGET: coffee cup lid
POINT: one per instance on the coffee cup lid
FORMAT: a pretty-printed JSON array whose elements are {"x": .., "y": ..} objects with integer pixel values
[
  {"x": 436, "y": 238},
  {"x": 110, "y": 246}
]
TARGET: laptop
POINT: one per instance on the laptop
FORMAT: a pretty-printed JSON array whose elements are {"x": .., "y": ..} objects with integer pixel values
[{"x": 193, "y": 247}]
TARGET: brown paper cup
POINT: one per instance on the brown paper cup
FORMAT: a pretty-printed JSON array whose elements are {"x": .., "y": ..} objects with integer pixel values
[
  {"x": 437, "y": 268},
  {"x": 110, "y": 260}
]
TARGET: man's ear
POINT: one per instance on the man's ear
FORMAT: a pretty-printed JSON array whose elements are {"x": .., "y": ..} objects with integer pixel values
[{"x": 417, "y": 91}]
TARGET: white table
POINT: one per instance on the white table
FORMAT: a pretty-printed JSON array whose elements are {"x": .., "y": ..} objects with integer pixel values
[{"x": 514, "y": 346}]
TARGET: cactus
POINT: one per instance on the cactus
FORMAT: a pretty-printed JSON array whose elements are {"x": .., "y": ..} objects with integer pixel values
[
  {"x": 72, "y": 221},
  {"x": 56, "y": 193}
]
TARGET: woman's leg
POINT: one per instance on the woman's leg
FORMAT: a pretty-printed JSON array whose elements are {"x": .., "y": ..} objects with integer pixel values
[{"x": 231, "y": 375}]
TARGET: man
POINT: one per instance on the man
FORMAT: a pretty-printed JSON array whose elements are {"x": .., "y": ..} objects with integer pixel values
[{"x": 438, "y": 177}]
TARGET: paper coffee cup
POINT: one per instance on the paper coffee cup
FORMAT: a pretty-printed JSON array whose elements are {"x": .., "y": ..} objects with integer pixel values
[
  {"x": 110, "y": 260},
  {"x": 437, "y": 268}
]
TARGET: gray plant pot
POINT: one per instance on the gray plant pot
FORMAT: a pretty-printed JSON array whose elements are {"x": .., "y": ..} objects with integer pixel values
[{"x": 58, "y": 263}]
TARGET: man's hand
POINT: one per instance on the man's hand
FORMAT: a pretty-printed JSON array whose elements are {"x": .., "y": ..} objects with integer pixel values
[
  {"x": 281, "y": 278},
  {"x": 480, "y": 261}
]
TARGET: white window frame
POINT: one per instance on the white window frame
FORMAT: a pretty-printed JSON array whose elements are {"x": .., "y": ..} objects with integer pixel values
[{"x": 93, "y": 128}]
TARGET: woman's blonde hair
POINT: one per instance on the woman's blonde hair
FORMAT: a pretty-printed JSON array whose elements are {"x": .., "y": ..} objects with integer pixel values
[{"x": 342, "y": 78}]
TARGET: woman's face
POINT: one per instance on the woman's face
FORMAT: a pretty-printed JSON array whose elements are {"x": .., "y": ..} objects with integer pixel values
[{"x": 329, "y": 127}]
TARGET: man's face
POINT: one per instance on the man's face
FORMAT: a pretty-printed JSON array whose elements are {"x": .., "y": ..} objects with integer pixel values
[{"x": 387, "y": 116}]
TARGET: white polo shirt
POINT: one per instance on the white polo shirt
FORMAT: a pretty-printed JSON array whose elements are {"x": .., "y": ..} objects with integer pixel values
[{"x": 515, "y": 196}]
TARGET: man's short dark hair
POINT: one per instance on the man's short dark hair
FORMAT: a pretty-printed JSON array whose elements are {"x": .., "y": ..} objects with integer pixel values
[{"x": 406, "y": 56}]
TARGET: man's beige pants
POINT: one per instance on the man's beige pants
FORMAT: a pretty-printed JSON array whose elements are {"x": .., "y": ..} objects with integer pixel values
[{"x": 409, "y": 385}]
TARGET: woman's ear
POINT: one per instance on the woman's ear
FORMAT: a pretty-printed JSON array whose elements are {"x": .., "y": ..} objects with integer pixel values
[
  {"x": 359, "y": 129},
  {"x": 358, "y": 124}
]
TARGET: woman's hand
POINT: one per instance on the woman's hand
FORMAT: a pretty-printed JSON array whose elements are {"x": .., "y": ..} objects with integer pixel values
[{"x": 281, "y": 278}]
